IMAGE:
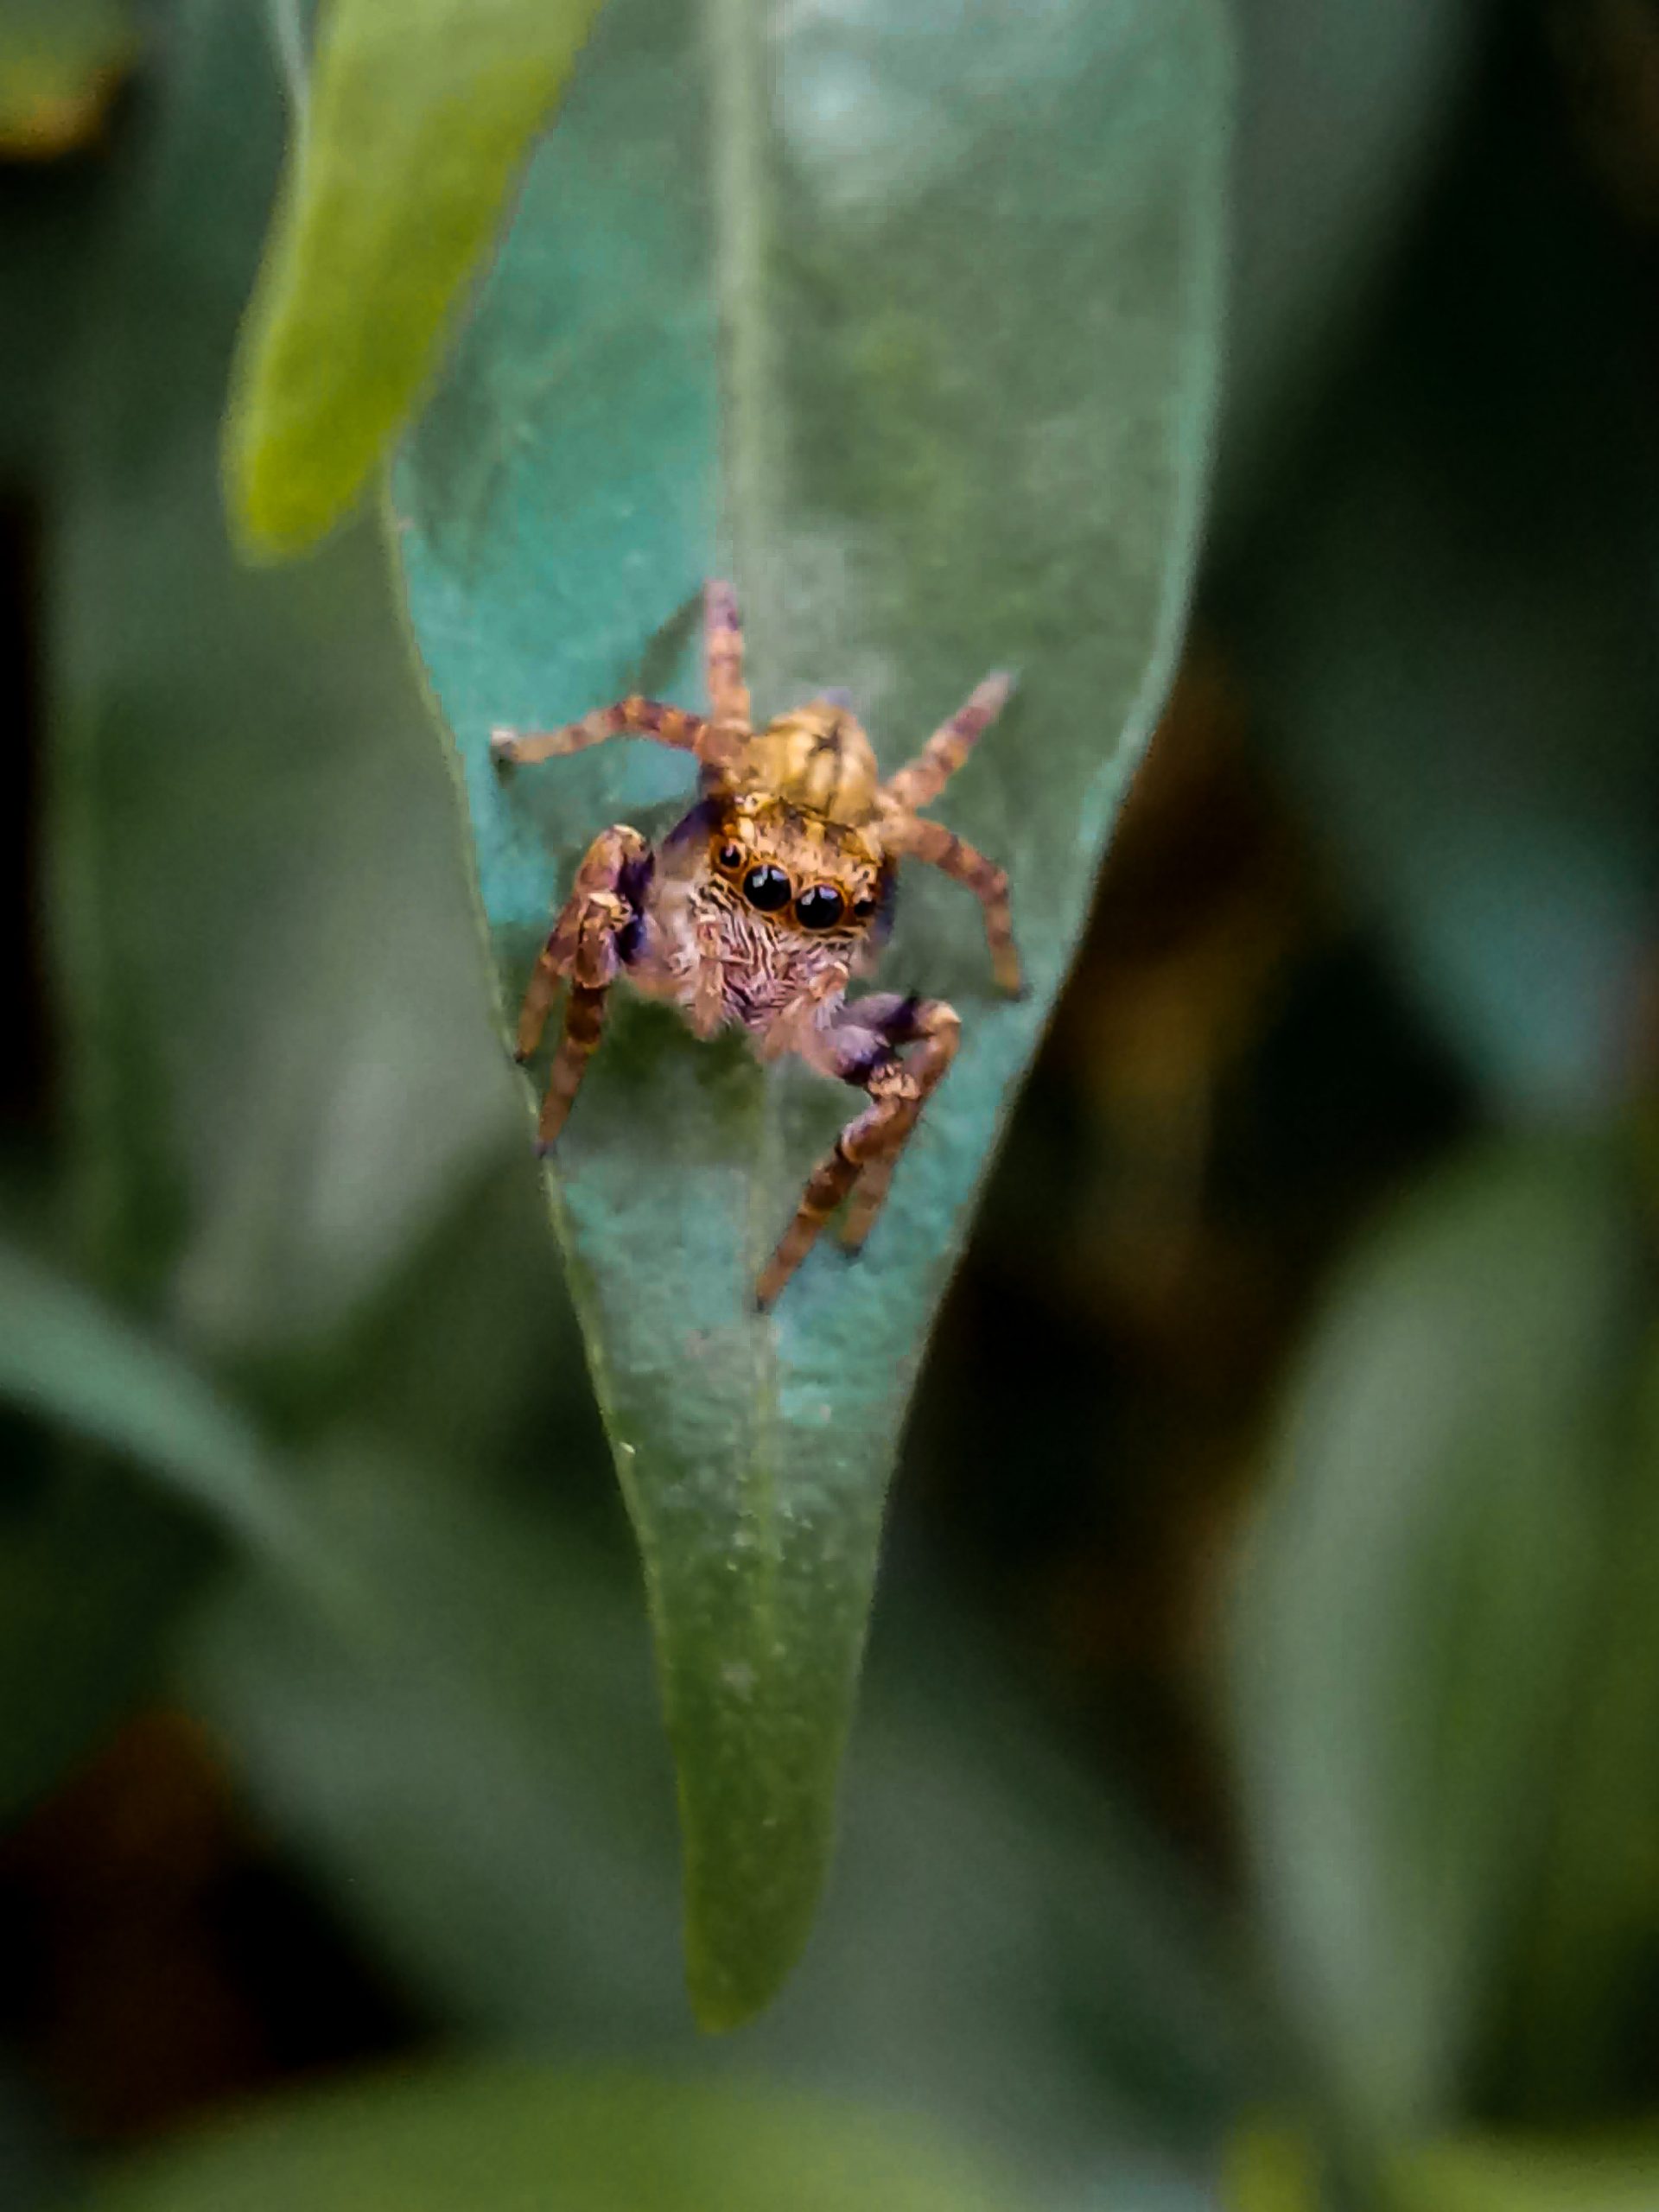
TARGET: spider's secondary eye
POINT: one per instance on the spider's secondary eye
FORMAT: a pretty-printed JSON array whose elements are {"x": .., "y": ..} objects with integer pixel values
[
  {"x": 862, "y": 909},
  {"x": 766, "y": 888},
  {"x": 820, "y": 908},
  {"x": 730, "y": 855}
]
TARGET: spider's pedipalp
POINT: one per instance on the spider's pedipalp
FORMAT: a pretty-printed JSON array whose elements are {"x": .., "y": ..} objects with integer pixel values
[
  {"x": 921, "y": 780},
  {"x": 794, "y": 1028},
  {"x": 594, "y": 934}
]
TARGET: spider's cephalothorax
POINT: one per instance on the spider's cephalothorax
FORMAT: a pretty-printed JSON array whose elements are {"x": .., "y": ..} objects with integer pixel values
[{"x": 762, "y": 904}]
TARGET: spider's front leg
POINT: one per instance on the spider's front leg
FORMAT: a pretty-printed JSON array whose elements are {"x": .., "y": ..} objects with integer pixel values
[
  {"x": 872, "y": 1035},
  {"x": 594, "y": 933}
]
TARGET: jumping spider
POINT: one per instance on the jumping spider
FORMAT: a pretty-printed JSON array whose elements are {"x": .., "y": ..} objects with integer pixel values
[{"x": 760, "y": 906}]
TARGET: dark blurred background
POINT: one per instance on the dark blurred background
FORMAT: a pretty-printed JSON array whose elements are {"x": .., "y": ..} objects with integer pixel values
[{"x": 1264, "y": 1706}]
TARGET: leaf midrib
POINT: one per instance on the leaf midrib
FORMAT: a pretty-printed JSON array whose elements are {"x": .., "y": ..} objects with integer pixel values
[{"x": 734, "y": 44}]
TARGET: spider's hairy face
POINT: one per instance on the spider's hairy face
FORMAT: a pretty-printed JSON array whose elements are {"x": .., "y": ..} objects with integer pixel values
[{"x": 796, "y": 868}]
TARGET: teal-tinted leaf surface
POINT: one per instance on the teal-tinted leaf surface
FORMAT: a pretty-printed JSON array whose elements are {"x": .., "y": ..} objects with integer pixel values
[
  {"x": 526, "y": 2139},
  {"x": 1412, "y": 1618},
  {"x": 905, "y": 318}
]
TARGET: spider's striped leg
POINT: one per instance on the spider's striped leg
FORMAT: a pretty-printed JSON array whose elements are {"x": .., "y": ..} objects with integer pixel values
[
  {"x": 921, "y": 780},
  {"x": 942, "y": 848},
  {"x": 587, "y": 945},
  {"x": 584, "y": 1021},
  {"x": 899, "y": 1088},
  {"x": 634, "y": 716},
  {"x": 722, "y": 647}
]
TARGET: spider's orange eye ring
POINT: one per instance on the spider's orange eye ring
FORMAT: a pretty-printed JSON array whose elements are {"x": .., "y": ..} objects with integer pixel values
[
  {"x": 768, "y": 888},
  {"x": 729, "y": 856},
  {"x": 819, "y": 907}
]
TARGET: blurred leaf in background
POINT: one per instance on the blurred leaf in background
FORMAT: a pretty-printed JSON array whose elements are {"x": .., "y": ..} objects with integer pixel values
[
  {"x": 1272, "y": 2170},
  {"x": 275, "y": 1010},
  {"x": 92, "y": 1572},
  {"x": 1446, "y": 614},
  {"x": 1345, "y": 115},
  {"x": 510, "y": 2138},
  {"x": 1414, "y": 1611}
]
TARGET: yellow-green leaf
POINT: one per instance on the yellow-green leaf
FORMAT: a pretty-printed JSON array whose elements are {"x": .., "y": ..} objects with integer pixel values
[
  {"x": 418, "y": 116},
  {"x": 512, "y": 2137}
]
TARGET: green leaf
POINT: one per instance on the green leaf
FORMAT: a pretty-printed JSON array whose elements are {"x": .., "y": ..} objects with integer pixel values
[
  {"x": 963, "y": 270},
  {"x": 418, "y": 120},
  {"x": 511, "y": 2138},
  {"x": 280, "y": 1060},
  {"x": 1410, "y": 1621}
]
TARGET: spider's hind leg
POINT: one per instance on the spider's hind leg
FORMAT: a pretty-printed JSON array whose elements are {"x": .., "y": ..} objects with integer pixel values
[
  {"x": 863, "y": 1156},
  {"x": 594, "y": 934}
]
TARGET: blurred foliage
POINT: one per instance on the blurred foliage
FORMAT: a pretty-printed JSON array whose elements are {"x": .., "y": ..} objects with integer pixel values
[
  {"x": 1466, "y": 592},
  {"x": 1408, "y": 1649},
  {"x": 266, "y": 1113},
  {"x": 1262, "y": 1707},
  {"x": 1272, "y": 2170},
  {"x": 61, "y": 62},
  {"x": 498, "y": 2142}
]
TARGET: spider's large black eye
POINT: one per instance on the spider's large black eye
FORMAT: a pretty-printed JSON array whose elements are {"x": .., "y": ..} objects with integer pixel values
[
  {"x": 766, "y": 888},
  {"x": 820, "y": 908}
]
